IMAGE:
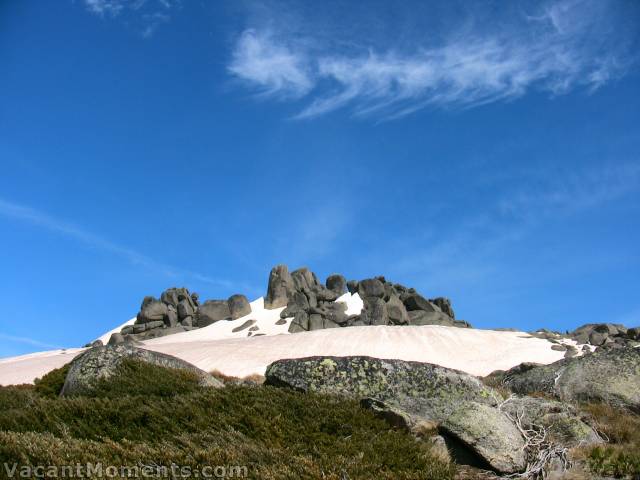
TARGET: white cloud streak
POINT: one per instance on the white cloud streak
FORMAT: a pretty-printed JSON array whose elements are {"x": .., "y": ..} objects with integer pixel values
[
  {"x": 557, "y": 51},
  {"x": 149, "y": 15},
  {"x": 34, "y": 217},
  {"x": 27, "y": 341}
]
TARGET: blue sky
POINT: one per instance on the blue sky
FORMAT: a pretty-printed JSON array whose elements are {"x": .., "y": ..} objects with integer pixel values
[{"x": 484, "y": 151}]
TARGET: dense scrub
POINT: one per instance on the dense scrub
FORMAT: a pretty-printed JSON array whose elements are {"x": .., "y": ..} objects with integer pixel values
[{"x": 151, "y": 415}]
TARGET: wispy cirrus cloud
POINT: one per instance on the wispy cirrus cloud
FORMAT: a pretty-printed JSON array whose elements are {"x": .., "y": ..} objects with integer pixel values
[
  {"x": 149, "y": 15},
  {"x": 42, "y": 220},
  {"x": 561, "y": 46},
  {"x": 27, "y": 341}
]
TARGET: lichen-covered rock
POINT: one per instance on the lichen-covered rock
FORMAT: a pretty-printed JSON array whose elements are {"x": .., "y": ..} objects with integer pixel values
[
  {"x": 489, "y": 433},
  {"x": 152, "y": 310},
  {"x": 445, "y": 305},
  {"x": 102, "y": 362},
  {"x": 417, "y": 392},
  {"x": 420, "y": 317},
  {"x": 609, "y": 376}
]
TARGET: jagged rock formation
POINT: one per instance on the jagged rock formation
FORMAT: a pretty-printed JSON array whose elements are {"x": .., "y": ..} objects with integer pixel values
[
  {"x": 102, "y": 362},
  {"x": 177, "y": 311},
  {"x": 474, "y": 419},
  {"x": 313, "y": 306}
]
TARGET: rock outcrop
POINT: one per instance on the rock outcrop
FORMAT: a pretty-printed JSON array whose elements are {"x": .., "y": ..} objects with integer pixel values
[
  {"x": 102, "y": 362},
  {"x": 471, "y": 416},
  {"x": 611, "y": 376},
  {"x": 177, "y": 311}
]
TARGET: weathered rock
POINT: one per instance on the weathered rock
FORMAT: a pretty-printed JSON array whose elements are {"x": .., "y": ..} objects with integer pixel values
[
  {"x": 459, "y": 403},
  {"x": 171, "y": 319},
  {"x": 152, "y": 310},
  {"x": 352, "y": 286},
  {"x": 374, "y": 311},
  {"x": 336, "y": 283},
  {"x": 238, "y": 306},
  {"x": 126, "y": 329},
  {"x": 102, "y": 362},
  {"x": 282, "y": 321},
  {"x": 598, "y": 338},
  {"x": 611, "y": 376},
  {"x": 212, "y": 311},
  {"x": 280, "y": 287},
  {"x": 397, "y": 312},
  {"x": 445, "y": 306},
  {"x": 187, "y": 322},
  {"x": 185, "y": 309},
  {"x": 154, "y": 324},
  {"x": 634, "y": 333},
  {"x": 371, "y": 287},
  {"x": 246, "y": 324},
  {"x": 298, "y": 299},
  {"x": 303, "y": 279},
  {"x": 416, "y": 301},
  {"x": 139, "y": 327},
  {"x": 195, "y": 298},
  {"x": 300, "y": 323},
  {"x": 420, "y": 317},
  {"x": 115, "y": 339},
  {"x": 335, "y": 313},
  {"x": 489, "y": 433},
  {"x": 316, "y": 322}
]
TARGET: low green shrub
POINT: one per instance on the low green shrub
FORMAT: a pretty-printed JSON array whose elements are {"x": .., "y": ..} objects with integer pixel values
[{"x": 277, "y": 434}]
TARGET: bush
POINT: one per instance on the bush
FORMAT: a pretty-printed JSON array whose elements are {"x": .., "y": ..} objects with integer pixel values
[
  {"x": 275, "y": 433},
  {"x": 50, "y": 385},
  {"x": 621, "y": 457}
]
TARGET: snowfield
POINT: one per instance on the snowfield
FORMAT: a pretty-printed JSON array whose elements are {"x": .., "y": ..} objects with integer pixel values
[{"x": 218, "y": 347}]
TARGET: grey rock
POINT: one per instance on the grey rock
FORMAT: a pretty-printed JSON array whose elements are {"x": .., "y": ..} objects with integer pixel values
[
  {"x": 298, "y": 299},
  {"x": 127, "y": 329},
  {"x": 445, "y": 306},
  {"x": 420, "y": 317},
  {"x": 397, "y": 312},
  {"x": 185, "y": 309},
  {"x": 246, "y": 324},
  {"x": 171, "y": 319},
  {"x": 611, "y": 376},
  {"x": 374, "y": 311},
  {"x": 116, "y": 339},
  {"x": 316, "y": 322},
  {"x": 255, "y": 328},
  {"x": 336, "y": 283},
  {"x": 598, "y": 338},
  {"x": 300, "y": 323},
  {"x": 462, "y": 406},
  {"x": 634, "y": 333},
  {"x": 195, "y": 298},
  {"x": 416, "y": 301},
  {"x": 238, "y": 306},
  {"x": 280, "y": 287},
  {"x": 212, "y": 311},
  {"x": 102, "y": 363},
  {"x": 154, "y": 324},
  {"x": 187, "y": 322},
  {"x": 352, "y": 286},
  {"x": 139, "y": 327},
  {"x": 303, "y": 279},
  {"x": 152, "y": 310},
  {"x": 370, "y": 287},
  {"x": 282, "y": 321}
]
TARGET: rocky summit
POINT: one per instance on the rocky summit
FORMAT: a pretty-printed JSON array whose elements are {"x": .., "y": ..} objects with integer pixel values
[{"x": 310, "y": 304}]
